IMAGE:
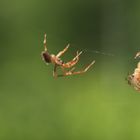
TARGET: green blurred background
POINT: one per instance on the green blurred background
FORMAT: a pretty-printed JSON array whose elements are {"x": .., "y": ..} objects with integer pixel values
[{"x": 98, "y": 105}]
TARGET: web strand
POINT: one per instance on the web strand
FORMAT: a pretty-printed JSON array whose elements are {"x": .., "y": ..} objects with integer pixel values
[{"x": 98, "y": 52}]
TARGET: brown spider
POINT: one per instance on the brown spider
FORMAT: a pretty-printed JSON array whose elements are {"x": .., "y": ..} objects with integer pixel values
[
  {"x": 134, "y": 79},
  {"x": 55, "y": 59}
]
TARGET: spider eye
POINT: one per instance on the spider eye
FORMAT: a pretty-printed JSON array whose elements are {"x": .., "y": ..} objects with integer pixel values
[{"x": 46, "y": 57}]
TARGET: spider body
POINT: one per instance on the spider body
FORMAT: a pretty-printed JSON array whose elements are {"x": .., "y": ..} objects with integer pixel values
[
  {"x": 134, "y": 79},
  {"x": 56, "y": 60},
  {"x": 46, "y": 57}
]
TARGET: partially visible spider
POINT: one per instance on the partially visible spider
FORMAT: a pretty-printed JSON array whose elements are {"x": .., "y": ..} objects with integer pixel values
[
  {"x": 134, "y": 79},
  {"x": 55, "y": 59}
]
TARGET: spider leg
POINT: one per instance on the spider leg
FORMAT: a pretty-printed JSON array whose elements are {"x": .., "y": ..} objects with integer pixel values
[
  {"x": 137, "y": 55},
  {"x": 63, "y": 51},
  {"x": 72, "y": 69},
  {"x": 45, "y": 43},
  {"x": 63, "y": 70},
  {"x": 54, "y": 71},
  {"x": 86, "y": 69},
  {"x": 73, "y": 61},
  {"x": 71, "y": 72},
  {"x": 80, "y": 72}
]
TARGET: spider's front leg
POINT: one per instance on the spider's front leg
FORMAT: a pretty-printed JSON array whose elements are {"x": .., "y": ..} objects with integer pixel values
[{"x": 63, "y": 51}]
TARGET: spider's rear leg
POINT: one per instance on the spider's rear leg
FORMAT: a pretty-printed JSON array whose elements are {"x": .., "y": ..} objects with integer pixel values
[
  {"x": 86, "y": 69},
  {"x": 73, "y": 61},
  {"x": 54, "y": 71},
  {"x": 71, "y": 72},
  {"x": 55, "y": 75},
  {"x": 63, "y": 51},
  {"x": 72, "y": 69}
]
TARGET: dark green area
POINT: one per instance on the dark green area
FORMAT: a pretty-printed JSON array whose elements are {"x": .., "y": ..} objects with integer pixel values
[{"x": 98, "y": 105}]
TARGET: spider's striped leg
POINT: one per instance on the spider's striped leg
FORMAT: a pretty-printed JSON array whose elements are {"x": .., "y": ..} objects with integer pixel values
[
  {"x": 63, "y": 51},
  {"x": 65, "y": 72},
  {"x": 73, "y": 61},
  {"x": 71, "y": 72},
  {"x": 45, "y": 43}
]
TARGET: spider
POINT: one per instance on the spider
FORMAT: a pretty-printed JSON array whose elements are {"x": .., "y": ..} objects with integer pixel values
[
  {"x": 134, "y": 79},
  {"x": 55, "y": 59}
]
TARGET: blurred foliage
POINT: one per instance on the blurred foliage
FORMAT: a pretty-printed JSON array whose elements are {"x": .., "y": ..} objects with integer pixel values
[{"x": 97, "y": 105}]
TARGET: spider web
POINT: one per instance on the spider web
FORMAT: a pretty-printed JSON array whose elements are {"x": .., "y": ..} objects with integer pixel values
[{"x": 99, "y": 52}]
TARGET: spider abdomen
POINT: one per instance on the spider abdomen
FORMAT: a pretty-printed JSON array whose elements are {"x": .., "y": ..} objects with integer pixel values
[{"x": 46, "y": 57}]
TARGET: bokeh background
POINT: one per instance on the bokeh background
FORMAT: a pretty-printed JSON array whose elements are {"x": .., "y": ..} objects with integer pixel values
[{"x": 98, "y": 105}]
